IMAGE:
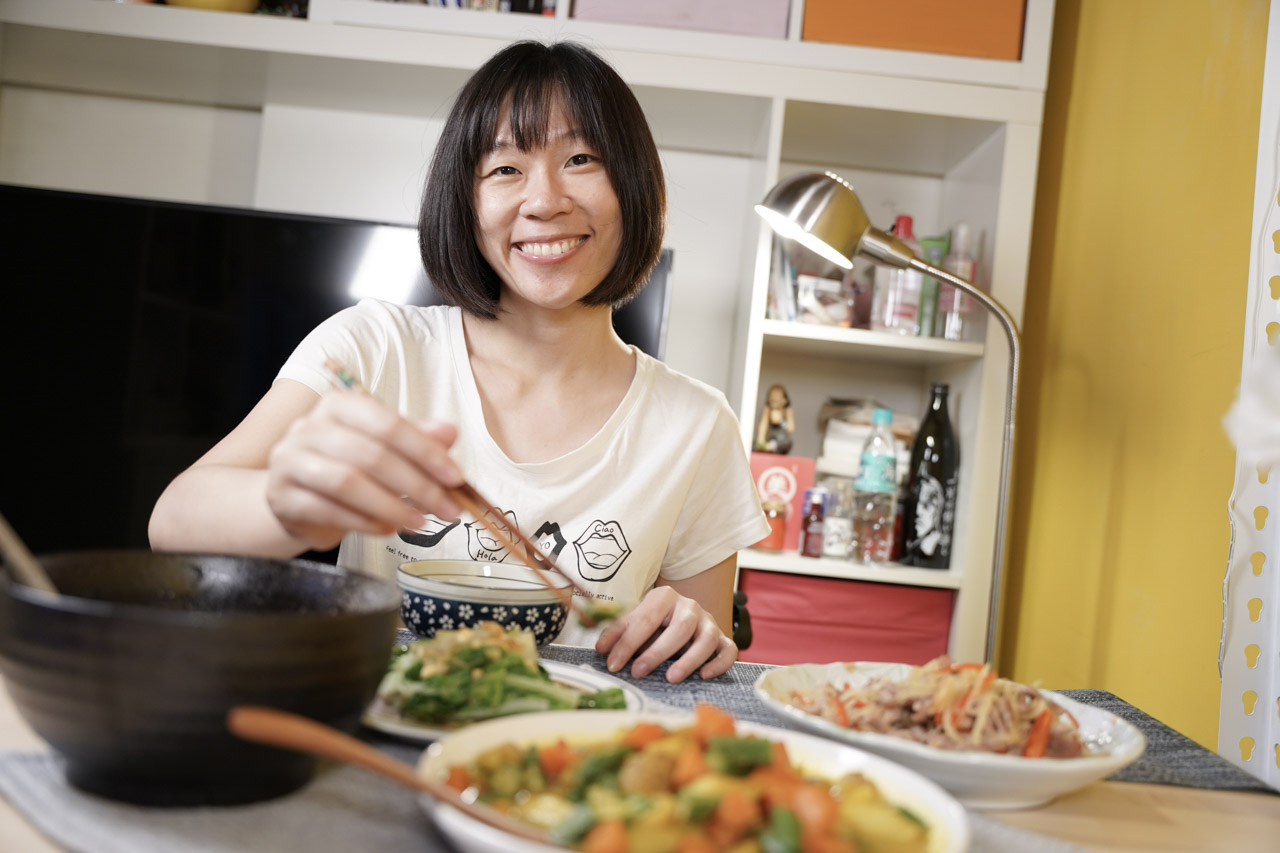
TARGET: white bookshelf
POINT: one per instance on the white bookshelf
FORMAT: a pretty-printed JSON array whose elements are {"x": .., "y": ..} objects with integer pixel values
[{"x": 336, "y": 115}]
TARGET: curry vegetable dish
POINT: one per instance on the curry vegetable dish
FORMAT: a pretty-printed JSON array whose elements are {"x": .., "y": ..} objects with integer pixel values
[
  {"x": 476, "y": 673},
  {"x": 698, "y": 789},
  {"x": 952, "y": 706}
]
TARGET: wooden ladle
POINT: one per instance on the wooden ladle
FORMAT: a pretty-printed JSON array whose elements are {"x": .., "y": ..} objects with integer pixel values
[
  {"x": 292, "y": 731},
  {"x": 22, "y": 561}
]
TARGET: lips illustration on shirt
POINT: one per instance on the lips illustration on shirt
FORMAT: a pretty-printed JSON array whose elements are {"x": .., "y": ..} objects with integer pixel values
[
  {"x": 602, "y": 549},
  {"x": 482, "y": 545},
  {"x": 549, "y": 540},
  {"x": 430, "y": 533}
]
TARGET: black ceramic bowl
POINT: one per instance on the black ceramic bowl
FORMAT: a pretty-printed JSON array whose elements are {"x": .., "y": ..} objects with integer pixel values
[{"x": 129, "y": 674}]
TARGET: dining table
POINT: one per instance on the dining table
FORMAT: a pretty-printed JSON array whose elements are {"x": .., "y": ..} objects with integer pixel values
[{"x": 1178, "y": 796}]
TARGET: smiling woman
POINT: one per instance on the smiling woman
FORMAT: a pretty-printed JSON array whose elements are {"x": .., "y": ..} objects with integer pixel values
[{"x": 543, "y": 212}]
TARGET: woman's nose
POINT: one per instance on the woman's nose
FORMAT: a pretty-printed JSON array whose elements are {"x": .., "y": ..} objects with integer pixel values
[{"x": 545, "y": 195}]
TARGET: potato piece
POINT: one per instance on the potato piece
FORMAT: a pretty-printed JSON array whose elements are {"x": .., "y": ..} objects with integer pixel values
[
  {"x": 546, "y": 810},
  {"x": 646, "y": 772},
  {"x": 882, "y": 827}
]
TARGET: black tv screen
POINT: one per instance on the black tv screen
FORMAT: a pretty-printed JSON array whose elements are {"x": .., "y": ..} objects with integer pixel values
[{"x": 137, "y": 333}]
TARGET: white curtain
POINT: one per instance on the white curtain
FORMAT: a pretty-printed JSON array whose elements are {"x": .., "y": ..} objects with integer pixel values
[{"x": 1249, "y": 655}]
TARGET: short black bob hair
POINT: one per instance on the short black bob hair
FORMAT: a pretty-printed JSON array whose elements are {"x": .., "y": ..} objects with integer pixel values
[{"x": 530, "y": 79}]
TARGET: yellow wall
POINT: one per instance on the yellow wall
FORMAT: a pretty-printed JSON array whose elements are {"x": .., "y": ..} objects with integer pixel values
[{"x": 1134, "y": 331}]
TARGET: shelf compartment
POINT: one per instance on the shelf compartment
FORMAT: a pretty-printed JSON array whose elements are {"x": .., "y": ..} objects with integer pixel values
[
  {"x": 826, "y": 567},
  {"x": 811, "y": 340}
]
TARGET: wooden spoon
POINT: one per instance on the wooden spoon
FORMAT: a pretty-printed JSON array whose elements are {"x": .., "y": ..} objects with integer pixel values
[
  {"x": 302, "y": 734},
  {"x": 22, "y": 561}
]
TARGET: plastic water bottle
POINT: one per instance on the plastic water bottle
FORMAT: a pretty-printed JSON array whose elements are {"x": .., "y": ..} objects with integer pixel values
[{"x": 875, "y": 493}]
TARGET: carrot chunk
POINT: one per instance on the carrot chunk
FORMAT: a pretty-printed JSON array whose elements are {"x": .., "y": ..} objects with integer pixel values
[
  {"x": 607, "y": 836},
  {"x": 695, "y": 843},
  {"x": 555, "y": 758},
  {"x": 734, "y": 815},
  {"x": 459, "y": 779},
  {"x": 710, "y": 721},
  {"x": 644, "y": 734},
  {"x": 815, "y": 808},
  {"x": 690, "y": 764}
]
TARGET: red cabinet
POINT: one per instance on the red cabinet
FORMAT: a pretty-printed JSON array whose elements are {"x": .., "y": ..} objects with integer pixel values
[{"x": 801, "y": 619}]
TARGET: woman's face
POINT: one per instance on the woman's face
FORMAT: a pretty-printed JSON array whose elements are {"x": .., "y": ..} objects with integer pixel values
[{"x": 547, "y": 220}]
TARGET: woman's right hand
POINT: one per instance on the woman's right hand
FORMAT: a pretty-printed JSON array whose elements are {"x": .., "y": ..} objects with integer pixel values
[{"x": 353, "y": 464}]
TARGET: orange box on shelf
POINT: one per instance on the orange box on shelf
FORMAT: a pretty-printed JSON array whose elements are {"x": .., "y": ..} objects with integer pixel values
[
  {"x": 783, "y": 479},
  {"x": 803, "y": 619},
  {"x": 741, "y": 17},
  {"x": 990, "y": 29}
]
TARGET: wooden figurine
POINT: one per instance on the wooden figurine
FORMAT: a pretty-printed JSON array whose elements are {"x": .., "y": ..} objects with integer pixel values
[{"x": 777, "y": 422}]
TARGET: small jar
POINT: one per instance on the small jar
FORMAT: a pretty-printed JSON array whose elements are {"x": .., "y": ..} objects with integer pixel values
[{"x": 776, "y": 513}]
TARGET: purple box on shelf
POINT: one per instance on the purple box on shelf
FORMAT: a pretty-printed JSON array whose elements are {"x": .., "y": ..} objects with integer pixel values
[{"x": 739, "y": 17}]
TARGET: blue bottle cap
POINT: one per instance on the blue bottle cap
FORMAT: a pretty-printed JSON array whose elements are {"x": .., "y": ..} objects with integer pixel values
[{"x": 882, "y": 417}]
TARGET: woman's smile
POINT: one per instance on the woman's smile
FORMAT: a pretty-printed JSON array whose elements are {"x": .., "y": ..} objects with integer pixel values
[{"x": 548, "y": 250}]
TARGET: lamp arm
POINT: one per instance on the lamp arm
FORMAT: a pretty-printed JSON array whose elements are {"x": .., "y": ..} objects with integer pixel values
[{"x": 1006, "y": 460}]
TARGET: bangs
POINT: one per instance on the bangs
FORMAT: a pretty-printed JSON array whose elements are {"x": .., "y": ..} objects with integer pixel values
[{"x": 530, "y": 106}]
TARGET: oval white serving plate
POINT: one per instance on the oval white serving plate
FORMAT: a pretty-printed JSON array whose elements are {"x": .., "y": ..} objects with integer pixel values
[
  {"x": 947, "y": 819},
  {"x": 385, "y": 719},
  {"x": 981, "y": 780}
]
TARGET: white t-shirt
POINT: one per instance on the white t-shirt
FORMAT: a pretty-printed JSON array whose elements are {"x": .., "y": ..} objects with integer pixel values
[{"x": 663, "y": 490}]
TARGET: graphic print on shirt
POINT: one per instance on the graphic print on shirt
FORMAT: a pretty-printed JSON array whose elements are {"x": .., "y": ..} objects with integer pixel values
[
  {"x": 480, "y": 542},
  {"x": 430, "y": 533},
  {"x": 550, "y": 540},
  {"x": 602, "y": 549}
]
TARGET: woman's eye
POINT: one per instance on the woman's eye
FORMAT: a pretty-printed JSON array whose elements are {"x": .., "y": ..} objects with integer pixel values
[
  {"x": 505, "y": 170},
  {"x": 581, "y": 159}
]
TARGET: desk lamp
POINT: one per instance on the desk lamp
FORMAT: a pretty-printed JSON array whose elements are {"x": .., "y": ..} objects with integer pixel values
[{"x": 822, "y": 213}]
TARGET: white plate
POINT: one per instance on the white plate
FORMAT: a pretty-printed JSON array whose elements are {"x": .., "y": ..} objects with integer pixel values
[
  {"x": 982, "y": 780},
  {"x": 385, "y": 719},
  {"x": 946, "y": 817}
]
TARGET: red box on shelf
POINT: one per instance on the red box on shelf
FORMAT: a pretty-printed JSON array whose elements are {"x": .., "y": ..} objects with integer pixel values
[
  {"x": 803, "y": 619},
  {"x": 783, "y": 479}
]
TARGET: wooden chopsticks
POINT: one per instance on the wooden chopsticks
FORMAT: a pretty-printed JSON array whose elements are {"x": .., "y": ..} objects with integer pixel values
[{"x": 484, "y": 512}]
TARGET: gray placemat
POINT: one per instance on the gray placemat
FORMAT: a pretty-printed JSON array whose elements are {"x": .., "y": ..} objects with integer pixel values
[
  {"x": 731, "y": 691},
  {"x": 1170, "y": 758},
  {"x": 343, "y": 809}
]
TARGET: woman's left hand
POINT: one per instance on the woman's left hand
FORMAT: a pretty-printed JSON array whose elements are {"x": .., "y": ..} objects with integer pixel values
[{"x": 666, "y": 625}]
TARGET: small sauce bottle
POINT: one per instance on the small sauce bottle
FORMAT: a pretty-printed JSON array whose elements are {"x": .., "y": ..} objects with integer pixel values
[{"x": 812, "y": 523}]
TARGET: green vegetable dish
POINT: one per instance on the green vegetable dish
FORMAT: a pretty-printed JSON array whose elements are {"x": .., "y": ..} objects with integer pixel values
[{"x": 476, "y": 673}]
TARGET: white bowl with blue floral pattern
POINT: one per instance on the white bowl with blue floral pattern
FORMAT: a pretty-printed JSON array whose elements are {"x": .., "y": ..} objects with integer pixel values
[{"x": 447, "y": 594}]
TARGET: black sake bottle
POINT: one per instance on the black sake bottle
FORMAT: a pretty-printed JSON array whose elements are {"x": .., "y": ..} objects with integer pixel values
[{"x": 929, "y": 511}]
